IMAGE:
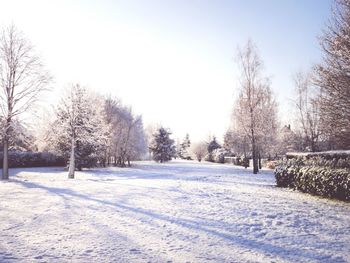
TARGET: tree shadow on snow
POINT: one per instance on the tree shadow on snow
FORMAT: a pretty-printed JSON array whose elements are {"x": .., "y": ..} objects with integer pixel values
[{"x": 288, "y": 253}]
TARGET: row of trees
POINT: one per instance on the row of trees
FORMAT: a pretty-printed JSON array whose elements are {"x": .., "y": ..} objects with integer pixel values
[
  {"x": 323, "y": 93},
  {"x": 332, "y": 76},
  {"x": 107, "y": 133},
  {"x": 86, "y": 129},
  {"x": 322, "y": 104},
  {"x": 321, "y": 115},
  {"x": 163, "y": 149}
]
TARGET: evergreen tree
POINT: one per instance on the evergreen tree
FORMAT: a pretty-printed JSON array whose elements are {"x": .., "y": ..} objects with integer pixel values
[
  {"x": 212, "y": 145},
  {"x": 162, "y": 146},
  {"x": 184, "y": 147}
]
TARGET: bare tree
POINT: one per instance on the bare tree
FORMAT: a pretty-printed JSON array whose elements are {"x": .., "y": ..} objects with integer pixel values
[
  {"x": 333, "y": 77},
  {"x": 307, "y": 104},
  {"x": 236, "y": 142},
  {"x": 199, "y": 149},
  {"x": 22, "y": 79},
  {"x": 254, "y": 114},
  {"x": 127, "y": 140}
]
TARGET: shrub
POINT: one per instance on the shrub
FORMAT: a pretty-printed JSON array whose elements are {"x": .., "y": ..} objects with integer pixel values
[
  {"x": 324, "y": 174},
  {"x": 271, "y": 164},
  {"x": 33, "y": 159},
  {"x": 219, "y": 155}
]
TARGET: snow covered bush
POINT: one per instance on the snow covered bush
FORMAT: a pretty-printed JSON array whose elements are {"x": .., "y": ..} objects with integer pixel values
[
  {"x": 212, "y": 146},
  {"x": 271, "y": 164},
  {"x": 326, "y": 174},
  {"x": 33, "y": 159},
  {"x": 218, "y": 155}
]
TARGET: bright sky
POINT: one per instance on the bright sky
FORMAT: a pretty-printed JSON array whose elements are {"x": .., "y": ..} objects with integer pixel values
[{"x": 172, "y": 60}]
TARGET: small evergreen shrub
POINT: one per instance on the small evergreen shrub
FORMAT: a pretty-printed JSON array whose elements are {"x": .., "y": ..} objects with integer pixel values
[
  {"x": 32, "y": 159},
  {"x": 321, "y": 174}
]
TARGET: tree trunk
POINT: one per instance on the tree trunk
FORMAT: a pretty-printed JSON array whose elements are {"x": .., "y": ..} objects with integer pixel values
[
  {"x": 245, "y": 161},
  {"x": 71, "y": 169},
  {"x": 107, "y": 160},
  {"x": 313, "y": 144},
  {"x": 5, "y": 165},
  {"x": 255, "y": 159},
  {"x": 260, "y": 165}
]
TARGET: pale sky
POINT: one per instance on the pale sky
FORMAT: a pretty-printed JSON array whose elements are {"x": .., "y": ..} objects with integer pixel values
[{"x": 172, "y": 61}]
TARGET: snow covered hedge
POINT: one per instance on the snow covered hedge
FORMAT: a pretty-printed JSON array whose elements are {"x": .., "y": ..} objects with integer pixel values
[
  {"x": 326, "y": 174},
  {"x": 33, "y": 159}
]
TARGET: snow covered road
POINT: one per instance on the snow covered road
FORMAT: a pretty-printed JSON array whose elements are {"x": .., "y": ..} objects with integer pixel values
[{"x": 174, "y": 212}]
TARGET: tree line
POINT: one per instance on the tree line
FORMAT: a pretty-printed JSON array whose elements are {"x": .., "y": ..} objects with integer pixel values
[
  {"x": 321, "y": 104},
  {"x": 88, "y": 129}
]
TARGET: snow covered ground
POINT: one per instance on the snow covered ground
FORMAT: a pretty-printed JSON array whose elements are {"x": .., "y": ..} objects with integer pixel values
[{"x": 174, "y": 212}]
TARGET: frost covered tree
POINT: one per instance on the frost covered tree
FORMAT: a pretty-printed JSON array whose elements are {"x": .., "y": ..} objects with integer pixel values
[
  {"x": 255, "y": 110},
  {"x": 21, "y": 138},
  {"x": 178, "y": 148},
  {"x": 162, "y": 146},
  {"x": 200, "y": 150},
  {"x": 78, "y": 131},
  {"x": 308, "y": 111},
  {"x": 184, "y": 148},
  {"x": 136, "y": 147},
  {"x": 22, "y": 79},
  {"x": 108, "y": 133},
  {"x": 333, "y": 77},
  {"x": 126, "y": 137},
  {"x": 132, "y": 141},
  {"x": 236, "y": 142},
  {"x": 149, "y": 131}
]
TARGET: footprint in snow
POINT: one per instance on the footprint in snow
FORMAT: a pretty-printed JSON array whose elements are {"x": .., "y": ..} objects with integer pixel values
[
  {"x": 134, "y": 251},
  {"x": 271, "y": 216}
]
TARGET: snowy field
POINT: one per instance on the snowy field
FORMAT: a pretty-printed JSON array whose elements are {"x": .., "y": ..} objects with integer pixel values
[{"x": 175, "y": 212}]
